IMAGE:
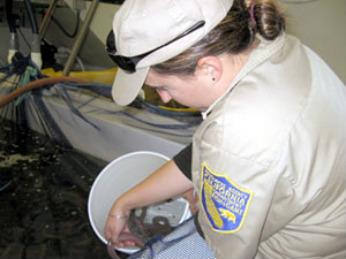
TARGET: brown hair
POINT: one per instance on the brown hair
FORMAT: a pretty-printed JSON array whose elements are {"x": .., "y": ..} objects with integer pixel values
[{"x": 234, "y": 34}]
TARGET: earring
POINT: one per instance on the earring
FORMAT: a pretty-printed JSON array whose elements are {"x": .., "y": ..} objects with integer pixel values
[{"x": 213, "y": 78}]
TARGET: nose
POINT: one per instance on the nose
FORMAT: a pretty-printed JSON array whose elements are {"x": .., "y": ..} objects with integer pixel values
[{"x": 164, "y": 95}]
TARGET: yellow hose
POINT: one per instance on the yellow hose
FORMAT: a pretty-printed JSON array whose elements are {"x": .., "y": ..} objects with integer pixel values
[
  {"x": 100, "y": 76},
  {"x": 106, "y": 77},
  {"x": 175, "y": 109}
]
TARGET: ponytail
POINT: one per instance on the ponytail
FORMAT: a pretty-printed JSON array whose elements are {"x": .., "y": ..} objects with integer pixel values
[{"x": 266, "y": 18}]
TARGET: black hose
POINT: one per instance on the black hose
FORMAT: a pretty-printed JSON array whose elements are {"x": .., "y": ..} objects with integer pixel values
[
  {"x": 10, "y": 17},
  {"x": 32, "y": 17}
]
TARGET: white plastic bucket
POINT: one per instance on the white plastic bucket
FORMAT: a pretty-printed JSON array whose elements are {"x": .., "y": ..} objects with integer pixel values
[{"x": 116, "y": 178}]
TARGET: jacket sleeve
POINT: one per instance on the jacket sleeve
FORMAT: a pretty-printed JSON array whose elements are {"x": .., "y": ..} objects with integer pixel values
[{"x": 235, "y": 198}]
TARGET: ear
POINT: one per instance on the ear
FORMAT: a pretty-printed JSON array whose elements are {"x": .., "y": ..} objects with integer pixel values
[{"x": 210, "y": 67}]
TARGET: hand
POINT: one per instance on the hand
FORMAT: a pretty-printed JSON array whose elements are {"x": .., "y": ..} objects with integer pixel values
[
  {"x": 191, "y": 197},
  {"x": 116, "y": 223},
  {"x": 117, "y": 232}
]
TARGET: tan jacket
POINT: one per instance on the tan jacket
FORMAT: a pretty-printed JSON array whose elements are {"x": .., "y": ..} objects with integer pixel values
[{"x": 269, "y": 160}]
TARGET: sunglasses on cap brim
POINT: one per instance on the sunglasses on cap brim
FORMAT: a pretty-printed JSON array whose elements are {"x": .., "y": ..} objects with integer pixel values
[{"x": 129, "y": 63}]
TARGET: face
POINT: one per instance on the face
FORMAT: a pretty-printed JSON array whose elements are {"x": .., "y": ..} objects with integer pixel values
[{"x": 192, "y": 91}]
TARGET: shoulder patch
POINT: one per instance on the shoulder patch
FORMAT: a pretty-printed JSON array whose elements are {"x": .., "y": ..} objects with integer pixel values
[{"x": 224, "y": 202}]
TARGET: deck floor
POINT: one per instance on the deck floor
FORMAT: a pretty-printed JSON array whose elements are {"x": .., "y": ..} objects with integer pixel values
[{"x": 43, "y": 198}]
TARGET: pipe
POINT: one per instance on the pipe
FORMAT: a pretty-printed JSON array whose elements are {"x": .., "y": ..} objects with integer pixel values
[
  {"x": 10, "y": 16},
  {"x": 80, "y": 37},
  {"x": 47, "y": 18},
  {"x": 35, "y": 54},
  {"x": 11, "y": 21},
  {"x": 13, "y": 47}
]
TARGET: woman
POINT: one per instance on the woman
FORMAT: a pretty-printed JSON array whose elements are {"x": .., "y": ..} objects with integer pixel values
[{"x": 268, "y": 161}]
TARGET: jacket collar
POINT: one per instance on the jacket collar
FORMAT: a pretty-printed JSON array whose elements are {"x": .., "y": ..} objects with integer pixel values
[{"x": 261, "y": 53}]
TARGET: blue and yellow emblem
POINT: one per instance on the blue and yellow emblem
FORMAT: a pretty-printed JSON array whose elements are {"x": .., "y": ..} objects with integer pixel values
[{"x": 225, "y": 202}]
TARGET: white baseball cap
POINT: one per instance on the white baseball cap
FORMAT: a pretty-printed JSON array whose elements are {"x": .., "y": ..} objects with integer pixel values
[{"x": 148, "y": 32}]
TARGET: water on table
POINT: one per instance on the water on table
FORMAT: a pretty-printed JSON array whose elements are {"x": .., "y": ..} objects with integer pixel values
[{"x": 43, "y": 198}]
